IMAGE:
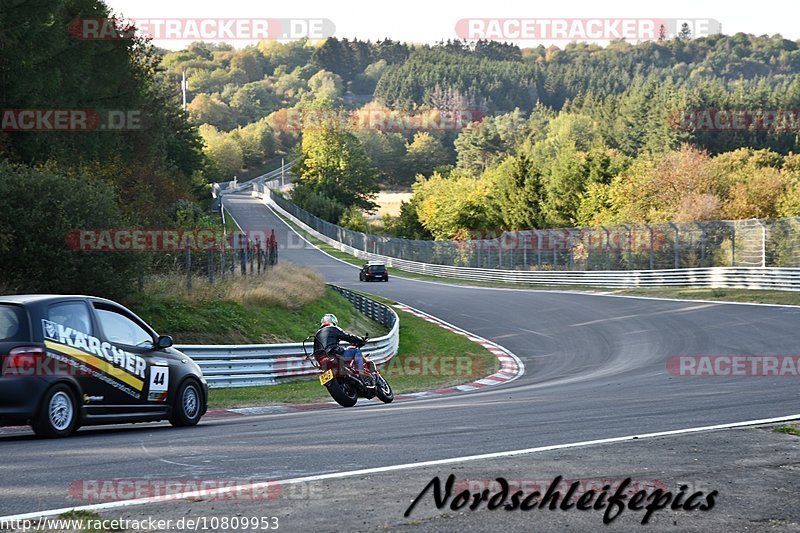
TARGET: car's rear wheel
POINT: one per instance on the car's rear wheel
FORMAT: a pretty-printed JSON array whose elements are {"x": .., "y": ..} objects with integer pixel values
[
  {"x": 58, "y": 414},
  {"x": 187, "y": 406}
]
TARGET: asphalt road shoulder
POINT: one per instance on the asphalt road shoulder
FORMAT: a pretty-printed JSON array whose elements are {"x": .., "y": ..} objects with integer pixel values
[{"x": 754, "y": 471}]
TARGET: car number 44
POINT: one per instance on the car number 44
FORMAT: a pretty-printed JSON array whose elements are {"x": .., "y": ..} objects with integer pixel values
[{"x": 159, "y": 383}]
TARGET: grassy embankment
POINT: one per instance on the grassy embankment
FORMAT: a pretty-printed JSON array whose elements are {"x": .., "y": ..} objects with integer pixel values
[{"x": 285, "y": 305}]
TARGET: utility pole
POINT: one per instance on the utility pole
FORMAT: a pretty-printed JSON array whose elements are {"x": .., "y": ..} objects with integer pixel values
[{"x": 183, "y": 88}]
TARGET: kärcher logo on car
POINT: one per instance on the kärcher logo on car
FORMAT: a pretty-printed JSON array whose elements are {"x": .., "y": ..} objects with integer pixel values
[{"x": 59, "y": 334}]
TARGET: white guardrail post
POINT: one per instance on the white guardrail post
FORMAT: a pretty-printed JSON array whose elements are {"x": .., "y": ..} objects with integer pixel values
[{"x": 270, "y": 364}]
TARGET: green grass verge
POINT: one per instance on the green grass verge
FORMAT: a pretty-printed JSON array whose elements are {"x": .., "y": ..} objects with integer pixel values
[
  {"x": 421, "y": 344},
  {"x": 230, "y": 224},
  {"x": 89, "y": 519},
  {"x": 730, "y": 295},
  {"x": 788, "y": 430},
  {"x": 230, "y": 322}
]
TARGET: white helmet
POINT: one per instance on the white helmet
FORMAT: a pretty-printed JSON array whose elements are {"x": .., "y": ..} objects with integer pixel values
[{"x": 329, "y": 319}]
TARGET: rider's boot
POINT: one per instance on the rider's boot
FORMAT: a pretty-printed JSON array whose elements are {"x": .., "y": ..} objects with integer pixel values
[{"x": 366, "y": 378}]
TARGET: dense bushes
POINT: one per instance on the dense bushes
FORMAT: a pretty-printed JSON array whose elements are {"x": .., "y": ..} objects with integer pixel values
[
  {"x": 41, "y": 208},
  {"x": 322, "y": 206}
]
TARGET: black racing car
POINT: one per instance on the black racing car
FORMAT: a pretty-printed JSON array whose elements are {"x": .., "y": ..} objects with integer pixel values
[
  {"x": 374, "y": 270},
  {"x": 71, "y": 361}
]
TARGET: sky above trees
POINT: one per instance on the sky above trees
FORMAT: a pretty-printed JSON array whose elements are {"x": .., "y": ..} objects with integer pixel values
[{"x": 427, "y": 22}]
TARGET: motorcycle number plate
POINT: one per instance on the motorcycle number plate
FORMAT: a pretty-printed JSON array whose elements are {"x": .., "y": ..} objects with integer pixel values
[{"x": 325, "y": 377}]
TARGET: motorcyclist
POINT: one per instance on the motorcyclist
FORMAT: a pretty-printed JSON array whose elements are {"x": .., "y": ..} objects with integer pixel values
[{"x": 327, "y": 338}]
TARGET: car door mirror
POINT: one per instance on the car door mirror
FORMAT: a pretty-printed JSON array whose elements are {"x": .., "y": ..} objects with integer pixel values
[{"x": 164, "y": 341}]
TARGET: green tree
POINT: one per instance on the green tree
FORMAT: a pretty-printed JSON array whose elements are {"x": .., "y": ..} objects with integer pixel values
[
  {"x": 254, "y": 101},
  {"x": 386, "y": 151},
  {"x": 335, "y": 165},
  {"x": 287, "y": 55},
  {"x": 449, "y": 208},
  {"x": 424, "y": 154},
  {"x": 353, "y": 219},
  {"x": 257, "y": 141},
  {"x": 35, "y": 237},
  {"x": 251, "y": 62},
  {"x": 564, "y": 185},
  {"x": 519, "y": 193},
  {"x": 205, "y": 109},
  {"x": 478, "y": 146},
  {"x": 327, "y": 86},
  {"x": 223, "y": 151},
  {"x": 407, "y": 225}
]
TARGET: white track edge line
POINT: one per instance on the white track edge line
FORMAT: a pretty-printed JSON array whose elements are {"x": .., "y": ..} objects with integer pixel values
[{"x": 392, "y": 468}]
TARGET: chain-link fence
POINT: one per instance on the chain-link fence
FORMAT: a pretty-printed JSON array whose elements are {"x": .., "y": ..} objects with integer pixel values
[{"x": 718, "y": 243}]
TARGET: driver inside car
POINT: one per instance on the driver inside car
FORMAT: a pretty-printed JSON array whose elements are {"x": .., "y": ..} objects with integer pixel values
[{"x": 327, "y": 339}]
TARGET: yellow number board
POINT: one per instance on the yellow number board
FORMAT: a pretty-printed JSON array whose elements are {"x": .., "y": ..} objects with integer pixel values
[{"x": 325, "y": 377}]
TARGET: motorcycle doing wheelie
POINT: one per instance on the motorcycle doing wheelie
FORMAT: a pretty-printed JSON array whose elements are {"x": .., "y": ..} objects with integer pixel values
[{"x": 342, "y": 380}]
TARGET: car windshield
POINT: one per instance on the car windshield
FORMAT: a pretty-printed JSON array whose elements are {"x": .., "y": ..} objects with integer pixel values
[{"x": 376, "y": 268}]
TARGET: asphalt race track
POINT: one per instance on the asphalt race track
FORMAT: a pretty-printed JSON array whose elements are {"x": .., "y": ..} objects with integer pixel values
[{"x": 595, "y": 368}]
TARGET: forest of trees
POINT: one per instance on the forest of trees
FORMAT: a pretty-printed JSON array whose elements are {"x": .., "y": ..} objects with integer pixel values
[
  {"x": 559, "y": 139},
  {"x": 580, "y": 135},
  {"x": 53, "y": 182}
]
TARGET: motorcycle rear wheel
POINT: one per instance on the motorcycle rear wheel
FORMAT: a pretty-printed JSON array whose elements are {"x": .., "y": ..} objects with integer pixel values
[{"x": 343, "y": 392}]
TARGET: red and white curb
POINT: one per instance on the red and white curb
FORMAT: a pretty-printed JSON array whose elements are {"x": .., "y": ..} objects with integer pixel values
[{"x": 511, "y": 367}]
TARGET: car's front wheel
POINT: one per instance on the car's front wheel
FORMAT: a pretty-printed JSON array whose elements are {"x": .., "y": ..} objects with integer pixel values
[
  {"x": 58, "y": 414},
  {"x": 187, "y": 406}
]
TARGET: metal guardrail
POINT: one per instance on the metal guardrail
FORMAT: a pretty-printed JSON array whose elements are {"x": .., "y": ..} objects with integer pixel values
[
  {"x": 270, "y": 364},
  {"x": 656, "y": 246},
  {"x": 714, "y": 277}
]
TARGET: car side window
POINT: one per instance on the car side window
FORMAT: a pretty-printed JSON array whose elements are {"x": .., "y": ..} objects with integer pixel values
[
  {"x": 73, "y": 315},
  {"x": 122, "y": 330},
  {"x": 12, "y": 323}
]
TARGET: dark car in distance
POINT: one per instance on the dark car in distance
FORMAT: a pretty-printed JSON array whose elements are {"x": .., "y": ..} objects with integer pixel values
[
  {"x": 374, "y": 270},
  {"x": 72, "y": 361}
]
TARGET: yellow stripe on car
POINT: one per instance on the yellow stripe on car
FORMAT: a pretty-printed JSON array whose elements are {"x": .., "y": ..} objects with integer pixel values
[{"x": 97, "y": 363}]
